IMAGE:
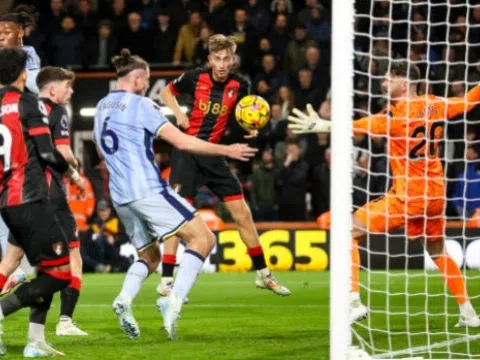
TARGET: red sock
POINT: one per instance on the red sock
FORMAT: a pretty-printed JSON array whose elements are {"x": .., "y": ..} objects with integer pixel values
[
  {"x": 3, "y": 280},
  {"x": 76, "y": 283},
  {"x": 453, "y": 277},
  {"x": 168, "y": 264},
  {"x": 256, "y": 253}
]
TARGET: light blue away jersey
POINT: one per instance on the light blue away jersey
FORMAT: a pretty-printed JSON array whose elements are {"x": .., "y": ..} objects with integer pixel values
[
  {"x": 33, "y": 67},
  {"x": 124, "y": 129}
]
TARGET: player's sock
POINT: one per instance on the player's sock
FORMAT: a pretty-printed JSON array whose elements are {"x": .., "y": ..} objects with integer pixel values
[
  {"x": 70, "y": 297},
  {"x": 3, "y": 280},
  {"x": 36, "y": 332},
  {"x": 38, "y": 317},
  {"x": 355, "y": 267},
  {"x": 256, "y": 253},
  {"x": 136, "y": 275},
  {"x": 168, "y": 264},
  {"x": 190, "y": 266},
  {"x": 42, "y": 287},
  {"x": 453, "y": 277}
]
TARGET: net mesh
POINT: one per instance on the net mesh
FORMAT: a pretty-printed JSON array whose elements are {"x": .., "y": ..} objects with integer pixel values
[{"x": 411, "y": 310}]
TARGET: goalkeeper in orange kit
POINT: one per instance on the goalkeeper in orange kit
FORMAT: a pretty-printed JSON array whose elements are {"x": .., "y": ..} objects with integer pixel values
[{"x": 413, "y": 125}]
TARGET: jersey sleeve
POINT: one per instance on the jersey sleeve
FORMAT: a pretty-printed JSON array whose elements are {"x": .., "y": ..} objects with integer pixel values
[
  {"x": 460, "y": 105},
  {"x": 34, "y": 116},
  {"x": 58, "y": 120},
  {"x": 183, "y": 84},
  {"x": 151, "y": 116},
  {"x": 374, "y": 124}
]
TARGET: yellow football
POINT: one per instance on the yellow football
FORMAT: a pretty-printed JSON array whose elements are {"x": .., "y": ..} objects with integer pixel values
[{"x": 252, "y": 112}]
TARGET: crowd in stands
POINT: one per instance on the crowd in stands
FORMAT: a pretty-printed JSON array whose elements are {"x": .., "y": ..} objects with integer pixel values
[{"x": 284, "y": 49}]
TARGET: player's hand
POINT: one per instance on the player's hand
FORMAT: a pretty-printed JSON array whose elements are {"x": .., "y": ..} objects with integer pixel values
[
  {"x": 182, "y": 121},
  {"x": 241, "y": 152},
  {"x": 311, "y": 123},
  {"x": 252, "y": 134},
  {"x": 77, "y": 180}
]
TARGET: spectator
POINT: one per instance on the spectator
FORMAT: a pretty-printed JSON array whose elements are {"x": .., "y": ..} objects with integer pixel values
[
  {"x": 134, "y": 38},
  {"x": 264, "y": 48},
  {"x": 180, "y": 11},
  {"x": 273, "y": 77},
  {"x": 321, "y": 74},
  {"x": 321, "y": 186},
  {"x": 164, "y": 39},
  {"x": 315, "y": 153},
  {"x": 67, "y": 44},
  {"x": 281, "y": 146},
  {"x": 219, "y": 18},
  {"x": 319, "y": 27},
  {"x": 107, "y": 235},
  {"x": 292, "y": 185},
  {"x": 118, "y": 16},
  {"x": 295, "y": 52},
  {"x": 307, "y": 93},
  {"x": 325, "y": 110},
  {"x": 448, "y": 71},
  {"x": 86, "y": 19},
  {"x": 50, "y": 23},
  {"x": 305, "y": 14},
  {"x": 279, "y": 37},
  {"x": 263, "y": 195},
  {"x": 258, "y": 17},
  {"x": 103, "y": 46},
  {"x": 187, "y": 40},
  {"x": 283, "y": 7},
  {"x": 244, "y": 33},
  {"x": 286, "y": 99},
  {"x": 201, "y": 50},
  {"x": 148, "y": 14},
  {"x": 466, "y": 194}
]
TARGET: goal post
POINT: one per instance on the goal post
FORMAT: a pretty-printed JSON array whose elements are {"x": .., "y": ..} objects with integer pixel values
[{"x": 411, "y": 311}]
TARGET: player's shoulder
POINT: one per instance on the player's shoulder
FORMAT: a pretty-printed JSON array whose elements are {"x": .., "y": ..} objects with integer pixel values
[
  {"x": 28, "y": 99},
  {"x": 148, "y": 103}
]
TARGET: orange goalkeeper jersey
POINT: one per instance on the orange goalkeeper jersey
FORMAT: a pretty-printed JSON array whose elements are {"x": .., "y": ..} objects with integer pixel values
[{"x": 413, "y": 128}]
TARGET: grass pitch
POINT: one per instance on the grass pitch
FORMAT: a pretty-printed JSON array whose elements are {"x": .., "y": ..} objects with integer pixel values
[{"x": 228, "y": 318}]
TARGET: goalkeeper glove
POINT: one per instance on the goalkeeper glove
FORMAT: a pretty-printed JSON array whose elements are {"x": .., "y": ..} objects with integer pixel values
[{"x": 311, "y": 123}]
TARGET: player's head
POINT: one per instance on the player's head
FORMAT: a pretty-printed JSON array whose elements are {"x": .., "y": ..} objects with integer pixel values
[
  {"x": 13, "y": 25},
  {"x": 12, "y": 67},
  {"x": 56, "y": 83},
  {"x": 221, "y": 55},
  {"x": 401, "y": 80},
  {"x": 132, "y": 71}
]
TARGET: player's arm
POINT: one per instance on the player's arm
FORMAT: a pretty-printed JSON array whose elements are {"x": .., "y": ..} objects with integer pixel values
[
  {"x": 58, "y": 120},
  {"x": 461, "y": 105},
  {"x": 34, "y": 116},
  {"x": 31, "y": 83},
  {"x": 373, "y": 125},
  {"x": 182, "y": 84}
]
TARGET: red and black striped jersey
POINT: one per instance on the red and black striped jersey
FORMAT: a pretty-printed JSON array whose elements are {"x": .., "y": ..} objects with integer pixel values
[
  {"x": 212, "y": 101},
  {"x": 58, "y": 124},
  {"x": 22, "y": 117}
]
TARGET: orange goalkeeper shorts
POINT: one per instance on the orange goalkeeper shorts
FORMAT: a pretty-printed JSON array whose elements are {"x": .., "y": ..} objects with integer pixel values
[{"x": 421, "y": 217}]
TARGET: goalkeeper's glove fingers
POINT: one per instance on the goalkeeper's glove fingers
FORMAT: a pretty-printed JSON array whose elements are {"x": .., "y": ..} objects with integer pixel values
[{"x": 311, "y": 123}]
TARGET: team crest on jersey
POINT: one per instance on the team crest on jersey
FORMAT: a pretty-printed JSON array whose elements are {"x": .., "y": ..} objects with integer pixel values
[
  {"x": 231, "y": 93},
  {"x": 176, "y": 187},
  {"x": 58, "y": 248}
]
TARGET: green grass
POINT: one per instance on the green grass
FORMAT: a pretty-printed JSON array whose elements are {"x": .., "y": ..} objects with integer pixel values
[{"x": 228, "y": 318}]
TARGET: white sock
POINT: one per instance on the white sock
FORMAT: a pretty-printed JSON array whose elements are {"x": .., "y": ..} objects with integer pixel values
[
  {"x": 188, "y": 270},
  {"x": 136, "y": 275},
  {"x": 467, "y": 309},
  {"x": 36, "y": 332},
  {"x": 354, "y": 296},
  {"x": 1, "y": 314}
]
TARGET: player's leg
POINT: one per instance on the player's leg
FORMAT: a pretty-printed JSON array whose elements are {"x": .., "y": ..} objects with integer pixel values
[
  {"x": 435, "y": 246},
  {"x": 70, "y": 295},
  {"x": 168, "y": 214},
  {"x": 184, "y": 179},
  {"x": 382, "y": 215},
  {"x": 45, "y": 245},
  {"x": 9, "y": 265},
  {"x": 148, "y": 260},
  {"x": 222, "y": 181}
]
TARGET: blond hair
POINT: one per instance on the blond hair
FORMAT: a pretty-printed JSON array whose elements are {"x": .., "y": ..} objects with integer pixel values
[{"x": 221, "y": 42}]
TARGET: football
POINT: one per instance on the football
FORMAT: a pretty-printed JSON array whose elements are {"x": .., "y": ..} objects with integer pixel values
[{"x": 252, "y": 112}]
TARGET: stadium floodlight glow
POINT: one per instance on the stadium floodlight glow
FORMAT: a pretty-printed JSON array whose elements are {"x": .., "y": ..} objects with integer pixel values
[{"x": 90, "y": 111}]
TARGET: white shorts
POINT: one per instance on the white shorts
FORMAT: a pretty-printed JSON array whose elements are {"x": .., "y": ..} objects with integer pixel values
[{"x": 155, "y": 217}]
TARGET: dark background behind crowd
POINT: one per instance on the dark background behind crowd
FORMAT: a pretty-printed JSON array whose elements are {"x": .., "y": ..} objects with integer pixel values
[{"x": 284, "y": 49}]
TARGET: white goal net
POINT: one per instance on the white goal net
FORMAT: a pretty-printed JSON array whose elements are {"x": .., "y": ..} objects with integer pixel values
[{"x": 413, "y": 308}]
